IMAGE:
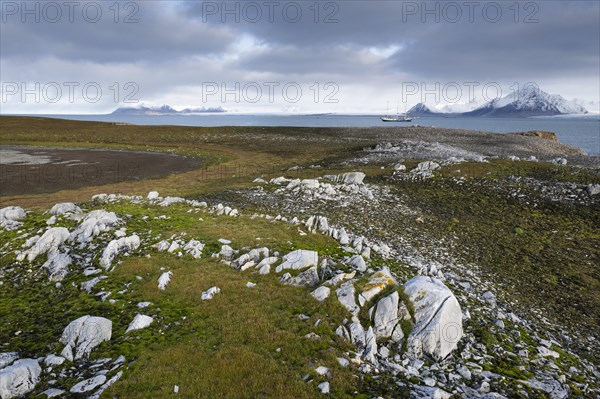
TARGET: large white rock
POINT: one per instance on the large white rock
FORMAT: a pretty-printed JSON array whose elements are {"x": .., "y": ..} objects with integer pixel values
[
  {"x": 47, "y": 243},
  {"x": 53, "y": 360},
  {"x": 310, "y": 184},
  {"x": 115, "y": 247},
  {"x": 321, "y": 293},
  {"x": 348, "y": 178},
  {"x": 139, "y": 321},
  {"x": 7, "y": 358},
  {"x": 267, "y": 262},
  {"x": 53, "y": 392},
  {"x": 152, "y": 195},
  {"x": 93, "y": 224},
  {"x": 194, "y": 248},
  {"x": 438, "y": 317},
  {"x": 298, "y": 260},
  {"x": 358, "y": 263},
  {"x": 308, "y": 278},
  {"x": 19, "y": 379},
  {"x": 164, "y": 280},
  {"x": 106, "y": 385},
  {"x": 279, "y": 180},
  {"x": 370, "y": 351},
  {"x": 338, "y": 278},
  {"x": 65, "y": 207},
  {"x": 357, "y": 335},
  {"x": 226, "y": 251},
  {"x": 84, "y": 334},
  {"x": 352, "y": 178},
  {"x": 317, "y": 223},
  {"x": 427, "y": 166},
  {"x": 168, "y": 201},
  {"x": 57, "y": 265},
  {"x": 386, "y": 316},
  {"x": 89, "y": 384},
  {"x": 10, "y": 216},
  {"x": 377, "y": 282},
  {"x": 346, "y": 295}
]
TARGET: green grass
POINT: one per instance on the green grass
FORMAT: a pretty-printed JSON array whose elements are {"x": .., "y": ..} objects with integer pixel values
[
  {"x": 543, "y": 255},
  {"x": 225, "y": 347}
]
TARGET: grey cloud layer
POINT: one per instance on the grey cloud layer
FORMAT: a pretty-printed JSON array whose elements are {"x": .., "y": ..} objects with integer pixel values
[{"x": 174, "y": 44}]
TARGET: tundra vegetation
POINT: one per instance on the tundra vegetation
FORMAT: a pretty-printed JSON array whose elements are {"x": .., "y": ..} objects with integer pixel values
[{"x": 507, "y": 249}]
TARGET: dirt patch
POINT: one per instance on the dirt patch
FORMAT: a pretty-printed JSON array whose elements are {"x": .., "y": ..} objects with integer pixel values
[{"x": 35, "y": 170}]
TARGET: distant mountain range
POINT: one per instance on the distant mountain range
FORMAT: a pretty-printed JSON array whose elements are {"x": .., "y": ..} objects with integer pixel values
[
  {"x": 529, "y": 101},
  {"x": 164, "y": 110}
]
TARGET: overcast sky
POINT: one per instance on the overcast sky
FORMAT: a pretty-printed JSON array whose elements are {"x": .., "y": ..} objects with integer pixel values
[{"x": 343, "y": 56}]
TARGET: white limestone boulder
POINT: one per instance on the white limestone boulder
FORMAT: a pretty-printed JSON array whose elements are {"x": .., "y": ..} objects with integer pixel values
[
  {"x": 19, "y": 379},
  {"x": 164, "y": 280},
  {"x": 65, "y": 208},
  {"x": 298, "y": 260},
  {"x": 94, "y": 223},
  {"x": 317, "y": 223},
  {"x": 310, "y": 184},
  {"x": 83, "y": 335},
  {"x": 346, "y": 294},
  {"x": 7, "y": 358},
  {"x": 321, "y": 293},
  {"x": 194, "y": 248},
  {"x": 10, "y": 216},
  {"x": 57, "y": 265},
  {"x": 115, "y": 247},
  {"x": 88, "y": 385},
  {"x": 377, "y": 282},
  {"x": 340, "y": 277},
  {"x": 370, "y": 350},
  {"x": 168, "y": 201},
  {"x": 348, "y": 178},
  {"x": 139, "y": 322},
  {"x": 49, "y": 242},
  {"x": 210, "y": 293},
  {"x": 386, "y": 319},
  {"x": 308, "y": 278},
  {"x": 427, "y": 166},
  {"x": 438, "y": 318},
  {"x": 53, "y": 360},
  {"x": 358, "y": 263}
]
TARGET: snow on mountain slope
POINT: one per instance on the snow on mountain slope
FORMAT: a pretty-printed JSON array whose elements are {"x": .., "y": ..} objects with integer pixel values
[
  {"x": 529, "y": 101},
  {"x": 593, "y": 107}
]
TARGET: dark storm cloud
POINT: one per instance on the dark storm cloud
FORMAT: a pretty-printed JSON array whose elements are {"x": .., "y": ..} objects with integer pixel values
[
  {"x": 565, "y": 42},
  {"x": 153, "y": 31},
  {"x": 375, "y": 44}
]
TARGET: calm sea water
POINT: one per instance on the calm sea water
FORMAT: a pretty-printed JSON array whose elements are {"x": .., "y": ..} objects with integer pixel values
[{"x": 582, "y": 132}]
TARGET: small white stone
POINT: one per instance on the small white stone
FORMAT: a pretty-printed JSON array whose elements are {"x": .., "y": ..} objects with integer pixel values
[
  {"x": 343, "y": 361},
  {"x": 210, "y": 293},
  {"x": 139, "y": 322},
  {"x": 324, "y": 387},
  {"x": 321, "y": 293}
]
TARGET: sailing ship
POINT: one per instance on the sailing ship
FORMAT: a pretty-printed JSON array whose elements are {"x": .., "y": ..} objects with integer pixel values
[{"x": 396, "y": 118}]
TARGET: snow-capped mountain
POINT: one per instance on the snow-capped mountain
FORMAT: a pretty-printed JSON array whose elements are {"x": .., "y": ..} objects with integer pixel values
[
  {"x": 459, "y": 108},
  {"x": 163, "y": 110},
  {"x": 421, "y": 110},
  {"x": 529, "y": 101}
]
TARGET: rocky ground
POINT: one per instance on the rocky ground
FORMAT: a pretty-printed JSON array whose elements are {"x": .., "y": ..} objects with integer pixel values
[{"x": 452, "y": 268}]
